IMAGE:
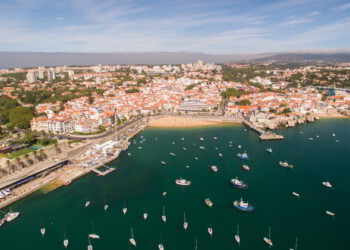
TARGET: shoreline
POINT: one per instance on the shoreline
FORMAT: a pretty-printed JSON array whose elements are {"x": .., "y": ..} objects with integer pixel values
[{"x": 172, "y": 121}]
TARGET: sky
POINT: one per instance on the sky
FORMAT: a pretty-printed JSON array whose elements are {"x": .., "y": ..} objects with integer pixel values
[{"x": 207, "y": 26}]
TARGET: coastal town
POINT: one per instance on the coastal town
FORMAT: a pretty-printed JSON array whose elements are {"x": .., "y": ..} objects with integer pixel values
[{"x": 59, "y": 123}]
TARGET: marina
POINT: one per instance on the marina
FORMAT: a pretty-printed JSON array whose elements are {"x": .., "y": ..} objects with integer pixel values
[{"x": 141, "y": 180}]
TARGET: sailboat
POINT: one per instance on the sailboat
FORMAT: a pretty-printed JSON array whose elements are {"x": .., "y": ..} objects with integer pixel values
[
  {"x": 238, "y": 239},
  {"x": 268, "y": 239},
  {"x": 145, "y": 214},
  {"x": 160, "y": 246},
  {"x": 132, "y": 240},
  {"x": 163, "y": 216},
  {"x": 105, "y": 207},
  {"x": 185, "y": 222},
  {"x": 125, "y": 209},
  {"x": 65, "y": 240},
  {"x": 87, "y": 203},
  {"x": 296, "y": 245},
  {"x": 42, "y": 231},
  {"x": 210, "y": 230},
  {"x": 89, "y": 246}
]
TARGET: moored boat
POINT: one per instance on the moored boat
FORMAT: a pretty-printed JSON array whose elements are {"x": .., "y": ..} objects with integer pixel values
[
  {"x": 182, "y": 182},
  {"x": 238, "y": 184},
  {"x": 268, "y": 240},
  {"x": 243, "y": 156},
  {"x": 185, "y": 222},
  {"x": 269, "y": 150},
  {"x": 243, "y": 206},
  {"x": 172, "y": 154},
  {"x": 94, "y": 236},
  {"x": 208, "y": 202},
  {"x": 330, "y": 213},
  {"x": 214, "y": 168},
  {"x": 296, "y": 194},
  {"x": 10, "y": 216},
  {"x": 327, "y": 184},
  {"x": 246, "y": 167},
  {"x": 131, "y": 239},
  {"x": 237, "y": 237},
  {"x": 285, "y": 164}
]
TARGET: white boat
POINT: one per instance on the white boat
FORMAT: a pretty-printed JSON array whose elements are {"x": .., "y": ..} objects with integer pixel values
[
  {"x": 269, "y": 150},
  {"x": 182, "y": 182},
  {"x": 184, "y": 149},
  {"x": 285, "y": 164},
  {"x": 129, "y": 154},
  {"x": 201, "y": 147},
  {"x": 125, "y": 210},
  {"x": 210, "y": 231},
  {"x": 131, "y": 239},
  {"x": 317, "y": 136},
  {"x": 296, "y": 245},
  {"x": 202, "y": 139},
  {"x": 164, "y": 193},
  {"x": 163, "y": 215},
  {"x": 237, "y": 238},
  {"x": 172, "y": 154},
  {"x": 301, "y": 132},
  {"x": 65, "y": 240},
  {"x": 89, "y": 246},
  {"x": 268, "y": 239},
  {"x": 139, "y": 147},
  {"x": 215, "y": 138},
  {"x": 182, "y": 138},
  {"x": 214, "y": 168},
  {"x": 160, "y": 247},
  {"x": 2, "y": 195},
  {"x": 216, "y": 148},
  {"x": 296, "y": 194},
  {"x": 163, "y": 162},
  {"x": 230, "y": 142},
  {"x": 87, "y": 203},
  {"x": 336, "y": 141},
  {"x": 239, "y": 146},
  {"x": 94, "y": 236},
  {"x": 311, "y": 139},
  {"x": 246, "y": 167},
  {"x": 333, "y": 134},
  {"x": 220, "y": 154},
  {"x": 185, "y": 222},
  {"x": 187, "y": 166},
  {"x": 105, "y": 207},
  {"x": 156, "y": 138},
  {"x": 327, "y": 184},
  {"x": 173, "y": 142},
  {"x": 208, "y": 202},
  {"x": 7, "y": 192},
  {"x": 10, "y": 216},
  {"x": 196, "y": 158},
  {"x": 42, "y": 231},
  {"x": 230, "y": 146},
  {"x": 145, "y": 215},
  {"x": 330, "y": 213}
]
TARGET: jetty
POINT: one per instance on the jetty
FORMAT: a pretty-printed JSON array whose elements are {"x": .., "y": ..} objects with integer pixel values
[
  {"x": 264, "y": 135},
  {"x": 103, "y": 173}
]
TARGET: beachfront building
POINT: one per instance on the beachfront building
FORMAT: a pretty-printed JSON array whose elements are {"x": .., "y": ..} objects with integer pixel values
[{"x": 193, "y": 105}]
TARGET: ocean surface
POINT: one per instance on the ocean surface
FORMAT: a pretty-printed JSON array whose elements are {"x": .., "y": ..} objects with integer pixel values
[{"x": 140, "y": 180}]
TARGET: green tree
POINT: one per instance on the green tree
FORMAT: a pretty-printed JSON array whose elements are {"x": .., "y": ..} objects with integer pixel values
[
  {"x": 244, "y": 102},
  {"x": 286, "y": 111},
  {"x": 20, "y": 117},
  {"x": 91, "y": 100}
]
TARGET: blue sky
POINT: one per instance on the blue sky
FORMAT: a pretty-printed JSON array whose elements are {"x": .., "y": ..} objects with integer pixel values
[{"x": 215, "y": 26}]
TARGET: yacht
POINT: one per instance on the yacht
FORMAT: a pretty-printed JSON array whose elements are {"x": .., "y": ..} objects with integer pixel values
[
  {"x": 2, "y": 221},
  {"x": 243, "y": 206},
  {"x": 237, "y": 238},
  {"x": 327, "y": 184},
  {"x": 172, "y": 154},
  {"x": 336, "y": 141},
  {"x": 65, "y": 240},
  {"x": 246, "y": 167},
  {"x": 187, "y": 166},
  {"x": 164, "y": 193},
  {"x": 2, "y": 195},
  {"x": 239, "y": 146},
  {"x": 214, "y": 168},
  {"x": 139, "y": 147},
  {"x": 185, "y": 222},
  {"x": 173, "y": 142},
  {"x": 131, "y": 239},
  {"x": 243, "y": 156},
  {"x": 210, "y": 231},
  {"x": 268, "y": 239},
  {"x": 215, "y": 138},
  {"x": 10, "y": 216},
  {"x": 7, "y": 192},
  {"x": 202, "y": 139},
  {"x": 330, "y": 213},
  {"x": 220, "y": 154},
  {"x": 269, "y": 150},
  {"x": 182, "y": 182},
  {"x": 145, "y": 215},
  {"x": 296, "y": 194},
  {"x": 160, "y": 247},
  {"x": 285, "y": 164},
  {"x": 201, "y": 147},
  {"x": 333, "y": 134},
  {"x": 208, "y": 202},
  {"x": 238, "y": 184},
  {"x": 317, "y": 136},
  {"x": 196, "y": 158},
  {"x": 163, "y": 162},
  {"x": 163, "y": 216},
  {"x": 105, "y": 207},
  {"x": 182, "y": 138},
  {"x": 87, "y": 203},
  {"x": 94, "y": 236},
  {"x": 184, "y": 149},
  {"x": 129, "y": 154}
]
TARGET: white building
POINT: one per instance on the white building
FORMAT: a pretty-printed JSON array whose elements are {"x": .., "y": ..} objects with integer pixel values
[{"x": 31, "y": 76}]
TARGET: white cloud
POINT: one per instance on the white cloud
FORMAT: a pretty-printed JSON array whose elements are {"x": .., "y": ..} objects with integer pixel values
[
  {"x": 314, "y": 13},
  {"x": 342, "y": 7}
]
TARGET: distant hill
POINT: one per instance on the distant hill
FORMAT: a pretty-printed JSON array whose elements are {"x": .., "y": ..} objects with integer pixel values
[{"x": 293, "y": 58}]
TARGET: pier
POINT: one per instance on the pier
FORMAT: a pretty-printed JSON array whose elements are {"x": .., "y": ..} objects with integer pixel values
[
  {"x": 264, "y": 136},
  {"x": 103, "y": 173}
]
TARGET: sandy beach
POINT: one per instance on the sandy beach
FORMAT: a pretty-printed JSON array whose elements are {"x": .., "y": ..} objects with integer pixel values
[{"x": 179, "y": 121}]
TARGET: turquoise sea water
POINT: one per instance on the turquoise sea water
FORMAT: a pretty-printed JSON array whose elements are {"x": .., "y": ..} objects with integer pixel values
[{"x": 140, "y": 180}]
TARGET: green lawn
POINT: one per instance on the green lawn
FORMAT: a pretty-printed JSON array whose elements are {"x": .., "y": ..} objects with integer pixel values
[{"x": 18, "y": 153}]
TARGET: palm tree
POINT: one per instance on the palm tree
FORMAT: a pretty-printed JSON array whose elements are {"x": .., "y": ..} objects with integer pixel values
[
  {"x": 41, "y": 153},
  {"x": 26, "y": 156},
  {"x": 8, "y": 164},
  {"x": 18, "y": 161},
  {"x": 35, "y": 156}
]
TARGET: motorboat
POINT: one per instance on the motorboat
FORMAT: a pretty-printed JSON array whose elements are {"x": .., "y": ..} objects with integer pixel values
[
  {"x": 268, "y": 240},
  {"x": 125, "y": 210},
  {"x": 238, "y": 184},
  {"x": 184, "y": 149},
  {"x": 243, "y": 156},
  {"x": 269, "y": 150},
  {"x": 237, "y": 238},
  {"x": 182, "y": 182},
  {"x": 330, "y": 213},
  {"x": 145, "y": 215},
  {"x": 296, "y": 194},
  {"x": 246, "y": 167},
  {"x": 94, "y": 236},
  {"x": 208, "y": 202},
  {"x": 131, "y": 239},
  {"x": 210, "y": 231},
  {"x": 105, "y": 207},
  {"x": 220, "y": 154},
  {"x": 10, "y": 216},
  {"x": 42, "y": 231},
  {"x": 185, "y": 222},
  {"x": 327, "y": 184},
  {"x": 243, "y": 206},
  {"x": 87, "y": 203},
  {"x": 172, "y": 154},
  {"x": 285, "y": 164},
  {"x": 214, "y": 168},
  {"x": 163, "y": 215},
  {"x": 163, "y": 162},
  {"x": 201, "y": 147},
  {"x": 160, "y": 247}
]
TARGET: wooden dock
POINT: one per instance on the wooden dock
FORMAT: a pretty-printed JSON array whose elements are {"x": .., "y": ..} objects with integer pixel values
[{"x": 103, "y": 173}]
